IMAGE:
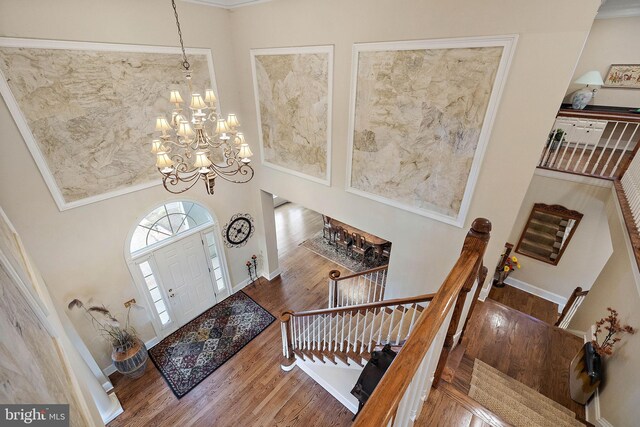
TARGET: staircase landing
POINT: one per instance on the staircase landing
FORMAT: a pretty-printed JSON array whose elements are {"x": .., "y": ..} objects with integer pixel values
[{"x": 520, "y": 346}]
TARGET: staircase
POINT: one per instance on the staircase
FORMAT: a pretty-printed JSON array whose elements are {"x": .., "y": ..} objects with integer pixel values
[
  {"x": 333, "y": 344},
  {"x": 544, "y": 236},
  {"x": 346, "y": 336}
]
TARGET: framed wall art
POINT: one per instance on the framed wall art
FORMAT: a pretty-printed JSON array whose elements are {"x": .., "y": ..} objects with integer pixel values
[
  {"x": 420, "y": 119},
  {"x": 623, "y": 76},
  {"x": 293, "y": 91},
  {"x": 87, "y": 110}
]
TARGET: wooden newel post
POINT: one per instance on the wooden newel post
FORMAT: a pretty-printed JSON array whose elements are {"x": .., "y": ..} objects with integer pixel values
[
  {"x": 334, "y": 275},
  {"x": 475, "y": 243},
  {"x": 287, "y": 343}
]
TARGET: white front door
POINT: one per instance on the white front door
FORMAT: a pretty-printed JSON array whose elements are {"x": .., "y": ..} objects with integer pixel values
[{"x": 184, "y": 274}]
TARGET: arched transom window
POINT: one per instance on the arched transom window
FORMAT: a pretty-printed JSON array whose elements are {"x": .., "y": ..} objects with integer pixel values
[{"x": 167, "y": 221}]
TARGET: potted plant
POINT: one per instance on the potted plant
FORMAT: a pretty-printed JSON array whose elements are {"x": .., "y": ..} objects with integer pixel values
[
  {"x": 129, "y": 353},
  {"x": 505, "y": 268},
  {"x": 586, "y": 367},
  {"x": 555, "y": 138}
]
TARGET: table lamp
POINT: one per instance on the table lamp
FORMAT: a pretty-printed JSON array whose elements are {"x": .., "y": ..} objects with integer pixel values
[{"x": 583, "y": 96}]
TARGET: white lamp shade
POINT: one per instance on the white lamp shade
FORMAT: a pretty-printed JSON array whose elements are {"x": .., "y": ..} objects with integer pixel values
[
  {"x": 245, "y": 151},
  {"x": 593, "y": 78},
  {"x": 184, "y": 129},
  {"x": 197, "y": 103},
  {"x": 156, "y": 146},
  {"x": 175, "y": 97},
  {"x": 163, "y": 161},
  {"x": 210, "y": 96},
  {"x": 162, "y": 125},
  {"x": 232, "y": 121},
  {"x": 201, "y": 161},
  {"x": 240, "y": 139},
  {"x": 222, "y": 127}
]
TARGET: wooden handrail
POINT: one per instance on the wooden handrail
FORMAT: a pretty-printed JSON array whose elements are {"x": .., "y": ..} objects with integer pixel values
[
  {"x": 577, "y": 292},
  {"x": 335, "y": 274},
  {"x": 361, "y": 307},
  {"x": 383, "y": 403}
]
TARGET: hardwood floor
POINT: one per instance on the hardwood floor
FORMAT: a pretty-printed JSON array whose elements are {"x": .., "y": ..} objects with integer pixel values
[
  {"x": 527, "y": 349},
  {"x": 294, "y": 225},
  {"x": 532, "y": 305},
  {"x": 250, "y": 389}
]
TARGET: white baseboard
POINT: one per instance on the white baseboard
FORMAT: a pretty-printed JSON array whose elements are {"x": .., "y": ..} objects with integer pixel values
[
  {"x": 456, "y": 338},
  {"x": 273, "y": 274},
  {"x": 240, "y": 285},
  {"x": 107, "y": 386},
  {"x": 116, "y": 409},
  {"x": 484, "y": 293},
  {"x": 534, "y": 290}
]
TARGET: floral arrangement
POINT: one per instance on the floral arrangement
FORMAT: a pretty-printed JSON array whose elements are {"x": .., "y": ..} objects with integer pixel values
[
  {"x": 612, "y": 325},
  {"x": 510, "y": 264},
  {"x": 107, "y": 325}
]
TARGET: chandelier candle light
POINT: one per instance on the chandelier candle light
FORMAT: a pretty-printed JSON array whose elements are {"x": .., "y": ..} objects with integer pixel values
[{"x": 184, "y": 147}]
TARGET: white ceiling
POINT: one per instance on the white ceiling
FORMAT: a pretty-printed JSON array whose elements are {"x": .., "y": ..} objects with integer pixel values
[
  {"x": 227, "y": 4},
  {"x": 618, "y": 9}
]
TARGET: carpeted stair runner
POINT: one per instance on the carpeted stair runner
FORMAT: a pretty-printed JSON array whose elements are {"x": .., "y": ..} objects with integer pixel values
[{"x": 516, "y": 403}]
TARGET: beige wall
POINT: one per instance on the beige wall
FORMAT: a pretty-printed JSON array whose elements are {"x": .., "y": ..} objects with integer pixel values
[
  {"x": 590, "y": 246},
  {"x": 611, "y": 41},
  {"x": 618, "y": 286},
  {"x": 81, "y": 251},
  {"x": 423, "y": 249}
]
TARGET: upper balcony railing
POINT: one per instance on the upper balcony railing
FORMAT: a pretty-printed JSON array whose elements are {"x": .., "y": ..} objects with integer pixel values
[{"x": 594, "y": 143}]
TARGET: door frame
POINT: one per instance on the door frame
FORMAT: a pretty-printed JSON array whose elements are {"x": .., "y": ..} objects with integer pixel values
[{"x": 147, "y": 254}]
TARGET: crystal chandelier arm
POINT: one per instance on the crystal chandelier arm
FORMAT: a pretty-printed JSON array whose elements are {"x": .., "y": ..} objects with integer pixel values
[{"x": 227, "y": 172}]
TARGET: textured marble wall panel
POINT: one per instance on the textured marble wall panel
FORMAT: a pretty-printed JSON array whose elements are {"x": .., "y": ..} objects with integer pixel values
[
  {"x": 292, "y": 93},
  {"x": 31, "y": 366},
  {"x": 418, "y": 117},
  {"x": 92, "y": 113}
]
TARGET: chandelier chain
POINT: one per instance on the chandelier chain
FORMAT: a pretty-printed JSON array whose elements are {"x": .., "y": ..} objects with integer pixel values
[{"x": 185, "y": 62}]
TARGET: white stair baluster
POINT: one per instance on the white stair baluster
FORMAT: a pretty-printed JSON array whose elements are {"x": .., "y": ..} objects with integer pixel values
[
  {"x": 413, "y": 318},
  {"x": 626, "y": 147},
  {"x": 404, "y": 310},
  {"x": 355, "y": 333},
  {"x": 393, "y": 315}
]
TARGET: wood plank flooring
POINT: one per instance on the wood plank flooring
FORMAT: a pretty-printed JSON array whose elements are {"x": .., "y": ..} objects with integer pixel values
[
  {"x": 527, "y": 349},
  {"x": 532, "y": 305},
  {"x": 250, "y": 389},
  {"x": 294, "y": 225}
]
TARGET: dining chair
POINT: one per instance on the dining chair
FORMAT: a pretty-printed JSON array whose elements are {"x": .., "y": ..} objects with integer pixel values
[
  {"x": 327, "y": 229},
  {"x": 360, "y": 246},
  {"x": 343, "y": 240}
]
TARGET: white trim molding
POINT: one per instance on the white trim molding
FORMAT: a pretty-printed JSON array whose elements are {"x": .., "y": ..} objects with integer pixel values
[
  {"x": 508, "y": 43},
  {"x": 29, "y": 138},
  {"x": 580, "y": 179},
  {"x": 324, "y": 49},
  {"x": 534, "y": 290}
]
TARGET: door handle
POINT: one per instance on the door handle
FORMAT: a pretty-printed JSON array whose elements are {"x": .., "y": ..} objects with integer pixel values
[
  {"x": 170, "y": 290},
  {"x": 171, "y": 295}
]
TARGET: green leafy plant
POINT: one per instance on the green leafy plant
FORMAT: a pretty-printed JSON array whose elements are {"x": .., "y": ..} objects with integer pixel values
[{"x": 120, "y": 336}]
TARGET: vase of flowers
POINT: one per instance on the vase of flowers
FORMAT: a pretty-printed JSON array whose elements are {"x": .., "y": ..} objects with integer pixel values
[
  {"x": 586, "y": 367},
  {"x": 129, "y": 354},
  {"x": 505, "y": 268}
]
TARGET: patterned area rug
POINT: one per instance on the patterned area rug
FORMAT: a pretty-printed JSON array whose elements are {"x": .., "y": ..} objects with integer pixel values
[
  {"x": 516, "y": 403},
  {"x": 193, "y": 352},
  {"x": 320, "y": 246}
]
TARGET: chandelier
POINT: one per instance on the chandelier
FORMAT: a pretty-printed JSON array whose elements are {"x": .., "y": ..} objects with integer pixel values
[{"x": 187, "y": 142}]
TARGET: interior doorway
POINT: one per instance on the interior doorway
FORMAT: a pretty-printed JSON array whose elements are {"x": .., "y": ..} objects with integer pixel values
[{"x": 175, "y": 259}]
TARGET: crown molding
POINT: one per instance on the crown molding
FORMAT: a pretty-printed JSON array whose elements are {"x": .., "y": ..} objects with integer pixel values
[
  {"x": 617, "y": 12},
  {"x": 226, "y": 4}
]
